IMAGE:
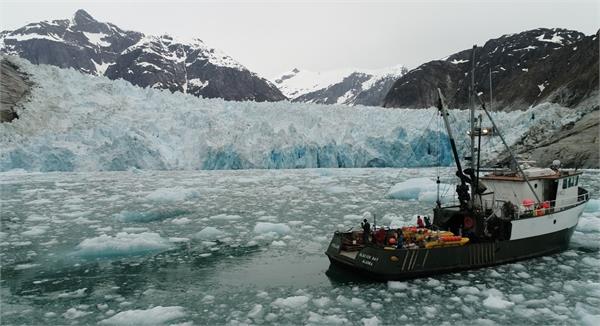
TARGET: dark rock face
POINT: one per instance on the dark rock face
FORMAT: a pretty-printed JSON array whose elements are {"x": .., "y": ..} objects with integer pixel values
[
  {"x": 14, "y": 87},
  {"x": 100, "y": 48},
  {"x": 575, "y": 144},
  {"x": 555, "y": 65}
]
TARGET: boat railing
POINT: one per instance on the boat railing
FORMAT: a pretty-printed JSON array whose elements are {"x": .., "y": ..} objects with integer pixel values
[{"x": 537, "y": 209}]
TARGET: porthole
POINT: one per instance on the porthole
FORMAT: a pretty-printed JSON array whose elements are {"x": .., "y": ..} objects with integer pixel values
[
  {"x": 535, "y": 185},
  {"x": 554, "y": 221}
]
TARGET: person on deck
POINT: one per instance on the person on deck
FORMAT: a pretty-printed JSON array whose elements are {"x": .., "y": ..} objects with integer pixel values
[
  {"x": 380, "y": 236},
  {"x": 400, "y": 239},
  {"x": 366, "y": 230},
  {"x": 420, "y": 222},
  {"x": 427, "y": 222}
]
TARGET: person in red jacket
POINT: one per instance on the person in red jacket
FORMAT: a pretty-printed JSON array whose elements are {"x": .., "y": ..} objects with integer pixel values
[{"x": 420, "y": 222}]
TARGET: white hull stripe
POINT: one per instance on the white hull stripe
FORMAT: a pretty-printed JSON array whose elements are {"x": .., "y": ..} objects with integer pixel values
[{"x": 535, "y": 226}]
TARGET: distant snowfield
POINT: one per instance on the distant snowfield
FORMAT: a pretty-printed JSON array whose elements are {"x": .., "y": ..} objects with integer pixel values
[{"x": 76, "y": 122}]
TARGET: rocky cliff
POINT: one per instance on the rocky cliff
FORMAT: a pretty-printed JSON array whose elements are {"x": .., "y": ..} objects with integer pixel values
[
  {"x": 541, "y": 65},
  {"x": 14, "y": 88}
]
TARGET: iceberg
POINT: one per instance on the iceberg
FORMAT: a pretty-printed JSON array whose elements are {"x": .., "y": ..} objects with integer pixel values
[
  {"x": 77, "y": 122},
  {"x": 123, "y": 244}
]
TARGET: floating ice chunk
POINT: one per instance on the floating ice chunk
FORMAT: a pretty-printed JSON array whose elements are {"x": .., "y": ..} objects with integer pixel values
[
  {"x": 430, "y": 312},
  {"x": 357, "y": 302},
  {"x": 73, "y": 313},
  {"x": 156, "y": 215},
  {"x": 35, "y": 230},
  {"x": 373, "y": 321},
  {"x": 337, "y": 190},
  {"x": 321, "y": 302},
  {"x": 432, "y": 282},
  {"x": 589, "y": 223},
  {"x": 428, "y": 196},
  {"x": 315, "y": 318},
  {"x": 36, "y": 218},
  {"x": 180, "y": 221},
  {"x": 74, "y": 294},
  {"x": 40, "y": 202},
  {"x": 225, "y": 217},
  {"x": 294, "y": 302},
  {"x": 278, "y": 244},
  {"x": 209, "y": 233},
  {"x": 516, "y": 298},
  {"x": 467, "y": 290},
  {"x": 395, "y": 285},
  {"x": 153, "y": 316},
  {"x": 496, "y": 302},
  {"x": 177, "y": 240},
  {"x": 256, "y": 312},
  {"x": 123, "y": 244},
  {"x": 411, "y": 188},
  {"x": 266, "y": 227},
  {"x": 134, "y": 229},
  {"x": 376, "y": 306},
  {"x": 167, "y": 195},
  {"x": 590, "y": 261},
  {"x": 25, "y": 266},
  {"x": 592, "y": 206},
  {"x": 494, "y": 273},
  {"x": 289, "y": 188}
]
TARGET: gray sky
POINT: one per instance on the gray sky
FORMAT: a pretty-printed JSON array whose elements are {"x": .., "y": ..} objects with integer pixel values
[{"x": 271, "y": 37}]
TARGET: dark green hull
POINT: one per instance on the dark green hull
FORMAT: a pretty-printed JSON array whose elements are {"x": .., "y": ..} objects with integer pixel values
[{"x": 381, "y": 264}]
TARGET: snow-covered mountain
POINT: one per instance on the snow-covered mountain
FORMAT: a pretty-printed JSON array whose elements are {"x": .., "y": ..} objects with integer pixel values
[
  {"x": 162, "y": 62},
  {"x": 535, "y": 66},
  {"x": 71, "y": 121},
  {"x": 343, "y": 86}
]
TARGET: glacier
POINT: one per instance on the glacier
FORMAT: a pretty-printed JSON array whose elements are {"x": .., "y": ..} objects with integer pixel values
[{"x": 77, "y": 122}]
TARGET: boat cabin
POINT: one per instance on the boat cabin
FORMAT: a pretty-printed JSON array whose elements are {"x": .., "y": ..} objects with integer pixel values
[{"x": 554, "y": 189}]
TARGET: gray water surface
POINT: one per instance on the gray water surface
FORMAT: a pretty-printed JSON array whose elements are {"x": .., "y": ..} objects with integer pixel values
[{"x": 246, "y": 247}]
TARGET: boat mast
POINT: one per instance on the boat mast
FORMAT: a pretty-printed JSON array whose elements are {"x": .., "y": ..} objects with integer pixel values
[
  {"x": 462, "y": 190},
  {"x": 472, "y": 121},
  {"x": 472, "y": 105},
  {"x": 491, "y": 87}
]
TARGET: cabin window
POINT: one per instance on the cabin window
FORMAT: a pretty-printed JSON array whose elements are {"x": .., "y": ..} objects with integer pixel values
[
  {"x": 576, "y": 180},
  {"x": 564, "y": 183},
  {"x": 571, "y": 182}
]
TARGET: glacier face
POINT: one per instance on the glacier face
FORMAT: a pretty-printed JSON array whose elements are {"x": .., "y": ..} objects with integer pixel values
[{"x": 76, "y": 122}]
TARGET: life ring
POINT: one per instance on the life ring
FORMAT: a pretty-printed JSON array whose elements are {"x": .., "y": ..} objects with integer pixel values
[{"x": 468, "y": 222}]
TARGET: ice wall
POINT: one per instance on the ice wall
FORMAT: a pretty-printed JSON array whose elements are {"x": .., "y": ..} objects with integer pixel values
[{"x": 76, "y": 122}]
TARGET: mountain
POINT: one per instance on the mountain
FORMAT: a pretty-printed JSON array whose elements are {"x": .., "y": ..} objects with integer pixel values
[
  {"x": 347, "y": 86},
  {"x": 159, "y": 62},
  {"x": 540, "y": 65}
]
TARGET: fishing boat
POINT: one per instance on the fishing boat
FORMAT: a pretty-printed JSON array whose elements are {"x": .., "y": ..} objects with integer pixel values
[{"x": 503, "y": 215}]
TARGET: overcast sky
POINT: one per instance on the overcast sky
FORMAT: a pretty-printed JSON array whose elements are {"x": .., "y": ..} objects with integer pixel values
[{"x": 271, "y": 37}]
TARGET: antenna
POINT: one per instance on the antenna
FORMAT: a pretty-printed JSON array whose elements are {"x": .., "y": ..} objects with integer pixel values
[
  {"x": 490, "y": 87},
  {"x": 472, "y": 104}
]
